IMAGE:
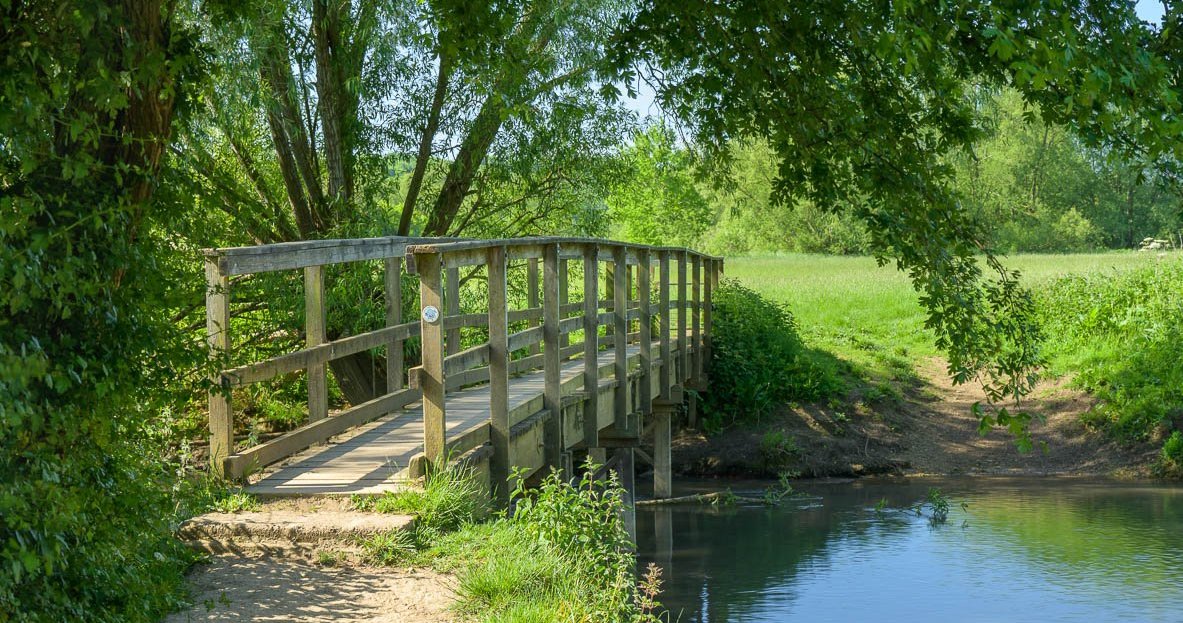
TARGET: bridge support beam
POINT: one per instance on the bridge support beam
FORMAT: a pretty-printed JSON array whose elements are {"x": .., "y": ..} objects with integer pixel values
[
  {"x": 217, "y": 325},
  {"x": 431, "y": 378},
  {"x": 591, "y": 351},
  {"x": 663, "y": 481},
  {"x": 626, "y": 471},
  {"x": 552, "y": 361}
]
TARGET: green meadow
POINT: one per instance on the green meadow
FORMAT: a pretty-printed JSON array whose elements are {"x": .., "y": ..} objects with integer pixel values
[{"x": 869, "y": 315}]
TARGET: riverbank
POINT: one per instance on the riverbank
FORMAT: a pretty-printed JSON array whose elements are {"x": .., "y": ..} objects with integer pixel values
[
  {"x": 926, "y": 428},
  {"x": 422, "y": 554},
  {"x": 889, "y": 407}
]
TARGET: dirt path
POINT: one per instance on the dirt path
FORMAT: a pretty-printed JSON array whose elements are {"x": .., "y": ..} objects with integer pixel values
[
  {"x": 297, "y": 559},
  {"x": 943, "y": 436},
  {"x": 268, "y": 588},
  {"x": 929, "y": 430}
]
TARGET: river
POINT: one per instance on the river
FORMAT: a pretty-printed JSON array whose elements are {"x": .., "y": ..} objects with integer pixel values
[{"x": 1040, "y": 550}]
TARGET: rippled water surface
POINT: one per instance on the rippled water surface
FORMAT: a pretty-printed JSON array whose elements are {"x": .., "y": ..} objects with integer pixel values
[{"x": 1022, "y": 550}]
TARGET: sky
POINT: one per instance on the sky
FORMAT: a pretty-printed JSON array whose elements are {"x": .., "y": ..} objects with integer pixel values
[{"x": 1150, "y": 10}]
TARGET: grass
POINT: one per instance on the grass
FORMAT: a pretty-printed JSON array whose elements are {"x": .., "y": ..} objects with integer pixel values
[
  {"x": 1119, "y": 335},
  {"x": 869, "y": 316},
  {"x": 563, "y": 556}
]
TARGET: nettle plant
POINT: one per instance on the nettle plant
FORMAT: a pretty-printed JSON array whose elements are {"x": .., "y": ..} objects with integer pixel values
[{"x": 584, "y": 521}]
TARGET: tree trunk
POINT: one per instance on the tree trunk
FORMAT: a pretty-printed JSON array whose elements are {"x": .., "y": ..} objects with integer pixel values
[
  {"x": 425, "y": 142},
  {"x": 333, "y": 105},
  {"x": 462, "y": 170},
  {"x": 361, "y": 376}
]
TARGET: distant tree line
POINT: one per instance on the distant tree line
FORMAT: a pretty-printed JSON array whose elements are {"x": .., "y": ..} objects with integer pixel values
[{"x": 1031, "y": 186}]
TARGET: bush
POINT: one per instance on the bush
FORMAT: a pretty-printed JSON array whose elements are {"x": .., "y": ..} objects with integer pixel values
[
  {"x": 86, "y": 99},
  {"x": 1172, "y": 450},
  {"x": 758, "y": 361},
  {"x": 777, "y": 450},
  {"x": 1119, "y": 335}
]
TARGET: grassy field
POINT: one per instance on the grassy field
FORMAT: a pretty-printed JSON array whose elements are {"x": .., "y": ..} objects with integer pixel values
[{"x": 870, "y": 316}]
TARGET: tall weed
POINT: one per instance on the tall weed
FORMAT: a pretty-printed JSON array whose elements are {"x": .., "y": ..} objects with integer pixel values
[
  {"x": 449, "y": 499},
  {"x": 1119, "y": 334}
]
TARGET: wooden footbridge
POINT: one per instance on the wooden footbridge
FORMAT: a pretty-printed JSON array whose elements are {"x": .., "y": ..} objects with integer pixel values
[{"x": 539, "y": 378}]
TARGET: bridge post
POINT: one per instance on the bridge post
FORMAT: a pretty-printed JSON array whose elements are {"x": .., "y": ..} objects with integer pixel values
[
  {"x": 499, "y": 464},
  {"x": 626, "y": 470},
  {"x": 591, "y": 355},
  {"x": 707, "y": 311},
  {"x": 645, "y": 327},
  {"x": 683, "y": 349},
  {"x": 532, "y": 296},
  {"x": 452, "y": 301},
  {"x": 696, "y": 320},
  {"x": 609, "y": 293},
  {"x": 630, "y": 276},
  {"x": 620, "y": 403},
  {"x": 217, "y": 326},
  {"x": 431, "y": 376},
  {"x": 662, "y": 440},
  {"x": 394, "y": 316},
  {"x": 564, "y": 298},
  {"x": 552, "y": 395},
  {"x": 315, "y": 335},
  {"x": 663, "y": 318}
]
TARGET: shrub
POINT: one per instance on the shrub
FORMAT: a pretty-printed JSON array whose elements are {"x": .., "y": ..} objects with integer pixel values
[
  {"x": 582, "y": 523},
  {"x": 777, "y": 450},
  {"x": 86, "y": 100},
  {"x": 1172, "y": 450},
  {"x": 758, "y": 361}
]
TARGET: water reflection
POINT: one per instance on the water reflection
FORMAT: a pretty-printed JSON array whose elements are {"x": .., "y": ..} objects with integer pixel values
[{"x": 1023, "y": 551}]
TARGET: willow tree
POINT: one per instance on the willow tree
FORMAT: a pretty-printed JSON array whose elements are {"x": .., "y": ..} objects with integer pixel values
[
  {"x": 376, "y": 117},
  {"x": 866, "y": 100}
]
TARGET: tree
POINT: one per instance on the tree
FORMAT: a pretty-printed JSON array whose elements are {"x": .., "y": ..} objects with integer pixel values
[
  {"x": 1036, "y": 186},
  {"x": 747, "y": 219},
  {"x": 89, "y": 93},
  {"x": 657, "y": 201},
  {"x": 868, "y": 99},
  {"x": 320, "y": 109}
]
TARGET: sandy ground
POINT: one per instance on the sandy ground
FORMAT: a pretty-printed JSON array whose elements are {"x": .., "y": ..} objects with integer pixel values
[
  {"x": 262, "y": 588},
  {"x": 289, "y": 583},
  {"x": 930, "y": 430}
]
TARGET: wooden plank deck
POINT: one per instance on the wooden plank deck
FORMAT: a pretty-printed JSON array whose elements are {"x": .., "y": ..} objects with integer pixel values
[{"x": 371, "y": 458}]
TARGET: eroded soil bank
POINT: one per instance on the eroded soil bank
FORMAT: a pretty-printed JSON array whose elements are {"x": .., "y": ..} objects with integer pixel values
[{"x": 929, "y": 429}]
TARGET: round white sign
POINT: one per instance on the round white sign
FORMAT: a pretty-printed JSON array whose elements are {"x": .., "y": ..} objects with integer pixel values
[{"x": 431, "y": 314}]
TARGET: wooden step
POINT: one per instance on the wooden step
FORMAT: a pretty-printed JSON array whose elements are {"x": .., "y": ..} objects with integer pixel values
[{"x": 287, "y": 532}]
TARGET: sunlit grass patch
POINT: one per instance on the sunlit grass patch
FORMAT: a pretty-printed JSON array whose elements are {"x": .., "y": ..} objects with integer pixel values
[{"x": 869, "y": 316}]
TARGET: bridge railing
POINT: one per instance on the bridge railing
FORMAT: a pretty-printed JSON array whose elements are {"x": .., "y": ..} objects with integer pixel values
[
  {"x": 311, "y": 257},
  {"x": 643, "y": 299},
  {"x": 634, "y": 310}
]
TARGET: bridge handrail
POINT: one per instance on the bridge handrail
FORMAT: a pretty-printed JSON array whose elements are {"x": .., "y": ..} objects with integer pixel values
[
  {"x": 311, "y": 256},
  {"x": 544, "y": 342}
]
